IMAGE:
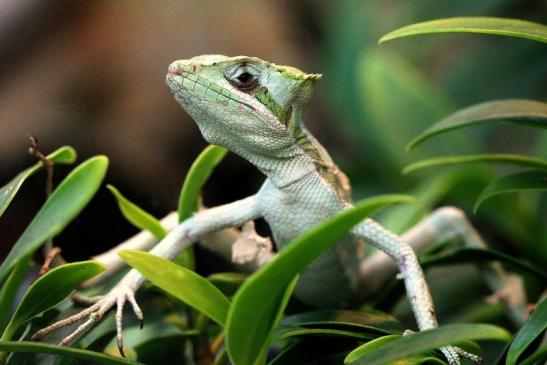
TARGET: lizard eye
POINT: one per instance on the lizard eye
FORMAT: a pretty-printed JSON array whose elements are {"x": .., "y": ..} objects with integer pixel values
[{"x": 244, "y": 79}]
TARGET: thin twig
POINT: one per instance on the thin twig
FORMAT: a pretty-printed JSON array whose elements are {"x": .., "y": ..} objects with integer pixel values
[{"x": 47, "y": 260}]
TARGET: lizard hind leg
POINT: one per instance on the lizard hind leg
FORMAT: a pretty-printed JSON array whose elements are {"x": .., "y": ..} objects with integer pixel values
[
  {"x": 443, "y": 224},
  {"x": 400, "y": 251}
]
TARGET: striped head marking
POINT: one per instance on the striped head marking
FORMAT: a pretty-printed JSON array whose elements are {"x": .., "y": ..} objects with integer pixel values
[{"x": 243, "y": 103}]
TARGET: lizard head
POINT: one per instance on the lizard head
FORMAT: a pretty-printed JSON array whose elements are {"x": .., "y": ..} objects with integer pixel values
[{"x": 243, "y": 103}]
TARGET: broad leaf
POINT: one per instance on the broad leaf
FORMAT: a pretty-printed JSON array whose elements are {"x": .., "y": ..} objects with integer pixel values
[
  {"x": 138, "y": 216},
  {"x": 49, "y": 290},
  {"x": 520, "y": 112},
  {"x": 254, "y": 310},
  {"x": 534, "y": 327},
  {"x": 68, "y": 199},
  {"x": 533, "y": 180},
  {"x": 500, "y": 158},
  {"x": 63, "y": 155},
  {"x": 182, "y": 283},
  {"x": 421, "y": 342},
  {"x": 481, "y": 256},
  {"x": 198, "y": 174},
  {"x": 38, "y": 347},
  {"x": 486, "y": 25}
]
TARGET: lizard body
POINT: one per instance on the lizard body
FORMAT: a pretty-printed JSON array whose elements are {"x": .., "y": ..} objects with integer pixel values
[
  {"x": 254, "y": 108},
  {"x": 303, "y": 187}
]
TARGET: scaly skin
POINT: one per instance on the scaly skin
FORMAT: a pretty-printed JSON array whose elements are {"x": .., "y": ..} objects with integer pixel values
[{"x": 254, "y": 108}]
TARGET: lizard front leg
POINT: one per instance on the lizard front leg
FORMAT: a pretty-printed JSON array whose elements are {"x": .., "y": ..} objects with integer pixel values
[
  {"x": 182, "y": 236},
  {"x": 413, "y": 276}
]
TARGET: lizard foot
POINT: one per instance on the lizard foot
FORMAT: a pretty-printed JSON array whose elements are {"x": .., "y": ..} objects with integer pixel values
[
  {"x": 118, "y": 296},
  {"x": 250, "y": 246},
  {"x": 454, "y": 354}
]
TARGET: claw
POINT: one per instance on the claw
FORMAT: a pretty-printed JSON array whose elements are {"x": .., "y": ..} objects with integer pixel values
[
  {"x": 118, "y": 296},
  {"x": 64, "y": 322},
  {"x": 453, "y": 355},
  {"x": 84, "y": 327},
  {"x": 120, "y": 346}
]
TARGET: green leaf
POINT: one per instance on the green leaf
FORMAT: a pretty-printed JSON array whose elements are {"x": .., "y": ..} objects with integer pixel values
[
  {"x": 424, "y": 341},
  {"x": 10, "y": 289},
  {"x": 138, "y": 216},
  {"x": 379, "y": 342},
  {"x": 287, "y": 333},
  {"x": 227, "y": 282},
  {"x": 372, "y": 321},
  {"x": 369, "y": 346},
  {"x": 37, "y": 347},
  {"x": 63, "y": 155},
  {"x": 486, "y": 25},
  {"x": 254, "y": 310},
  {"x": 198, "y": 174},
  {"x": 182, "y": 283},
  {"x": 49, "y": 290},
  {"x": 68, "y": 199},
  {"x": 522, "y": 181},
  {"x": 502, "y": 158},
  {"x": 481, "y": 256},
  {"x": 521, "y": 112},
  {"x": 534, "y": 327}
]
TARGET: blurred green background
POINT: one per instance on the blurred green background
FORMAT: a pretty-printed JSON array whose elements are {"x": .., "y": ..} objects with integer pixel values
[{"x": 91, "y": 74}]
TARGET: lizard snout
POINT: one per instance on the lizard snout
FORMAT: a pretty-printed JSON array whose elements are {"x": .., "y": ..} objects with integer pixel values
[{"x": 174, "y": 68}]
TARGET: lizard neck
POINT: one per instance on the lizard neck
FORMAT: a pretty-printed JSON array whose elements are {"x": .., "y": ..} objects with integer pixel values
[{"x": 303, "y": 156}]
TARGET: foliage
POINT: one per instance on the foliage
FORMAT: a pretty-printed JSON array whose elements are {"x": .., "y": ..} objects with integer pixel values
[{"x": 252, "y": 320}]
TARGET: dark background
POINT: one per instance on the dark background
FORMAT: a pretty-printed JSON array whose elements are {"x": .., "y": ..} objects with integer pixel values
[{"x": 90, "y": 74}]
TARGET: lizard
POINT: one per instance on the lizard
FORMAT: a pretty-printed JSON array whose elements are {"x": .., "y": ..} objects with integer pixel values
[{"x": 254, "y": 108}]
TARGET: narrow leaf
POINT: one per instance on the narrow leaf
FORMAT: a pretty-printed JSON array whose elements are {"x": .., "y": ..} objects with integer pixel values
[
  {"x": 501, "y": 158},
  {"x": 198, "y": 174},
  {"x": 522, "y": 181},
  {"x": 10, "y": 289},
  {"x": 63, "y": 155},
  {"x": 521, "y": 112},
  {"x": 369, "y": 346},
  {"x": 534, "y": 327},
  {"x": 252, "y": 315},
  {"x": 38, "y": 347},
  {"x": 288, "y": 333},
  {"x": 424, "y": 341},
  {"x": 68, "y": 199},
  {"x": 374, "y": 321},
  {"x": 49, "y": 290},
  {"x": 227, "y": 282},
  {"x": 481, "y": 256},
  {"x": 138, "y": 216},
  {"x": 182, "y": 283},
  {"x": 486, "y": 25}
]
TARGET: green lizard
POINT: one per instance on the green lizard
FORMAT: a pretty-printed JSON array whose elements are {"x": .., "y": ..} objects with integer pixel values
[{"x": 254, "y": 108}]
